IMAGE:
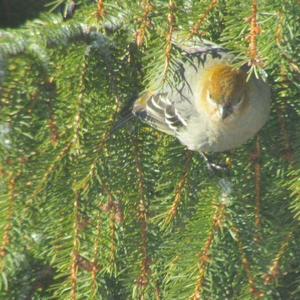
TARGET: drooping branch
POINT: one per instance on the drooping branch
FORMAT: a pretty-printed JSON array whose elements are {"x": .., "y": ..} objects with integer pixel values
[
  {"x": 172, "y": 26},
  {"x": 95, "y": 263},
  {"x": 172, "y": 213},
  {"x": 113, "y": 208},
  {"x": 11, "y": 186},
  {"x": 256, "y": 158},
  {"x": 204, "y": 256},
  {"x": 274, "y": 269},
  {"x": 288, "y": 154},
  {"x": 143, "y": 279},
  {"x": 100, "y": 9},
  {"x": 76, "y": 247},
  {"x": 254, "y": 32},
  {"x": 197, "y": 26},
  {"x": 257, "y": 294},
  {"x": 148, "y": 9}
]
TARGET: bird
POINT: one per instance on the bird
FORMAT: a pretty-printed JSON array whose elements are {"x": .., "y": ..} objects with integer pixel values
[{"x": 213, "y": 107}]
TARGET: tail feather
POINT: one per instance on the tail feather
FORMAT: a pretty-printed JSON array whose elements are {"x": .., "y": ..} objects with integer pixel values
[{"x": 123, "y": 121}]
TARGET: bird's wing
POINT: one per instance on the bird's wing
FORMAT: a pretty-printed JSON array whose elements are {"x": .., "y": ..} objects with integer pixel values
[
  {"x": 202, "y": 52},
  {"x": 159, "y": 111},
  {"x": 199, "y": 47},
  {"x": 170, "y": 110}
]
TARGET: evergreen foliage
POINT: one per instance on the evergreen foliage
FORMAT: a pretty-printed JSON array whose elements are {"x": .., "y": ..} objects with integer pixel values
[{"x": 87, "y": 212}]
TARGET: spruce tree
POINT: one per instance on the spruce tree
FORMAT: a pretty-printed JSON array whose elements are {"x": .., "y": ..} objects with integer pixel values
[{"x": 89, "y": 212}]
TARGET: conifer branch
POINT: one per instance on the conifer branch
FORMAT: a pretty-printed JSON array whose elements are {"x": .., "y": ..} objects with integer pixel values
[
  {"x": 204, "y": 256},
  {"x": 254, "y": 32},
  {"x": 113, "y": 231},
  {"x": 274, "y": 269},
  {"x": 54, "y": 135},
  {"x": 172, "y": 213},
  {"x": 43, "y": 182},
  {"x": 157, "y": 291},
  {"x": 100, "y": 148},
  {"x": 171, "y": 29},
  {"x": 113, "y": 208},
  {"x": 76, "y": 247},
  {"x": 256, "y": 158},
  {"x": 96, "y": 267},
  {"x": 143, "y": 279},
  {"x": 2, "y": 171},
  {"x": 9, "y": 218},
  {"x": 148, "y": 9},
  {"x": 279, "y": 38},
  {"x": 79, "y": 103},
  {"x": 288, "y": 154},
  {"x": 100, "y": 9},
  {"x": 196, "y": 27},
  {"x": 85, "y": 258},
  {"x": 257, "y": 294}
]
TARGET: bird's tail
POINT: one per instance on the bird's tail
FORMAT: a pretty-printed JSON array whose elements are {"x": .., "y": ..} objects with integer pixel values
[{"x": 124, "y": 119}]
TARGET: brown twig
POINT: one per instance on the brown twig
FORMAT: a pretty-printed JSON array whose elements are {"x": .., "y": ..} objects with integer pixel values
[
  {"x": 143, "y": 279},
  {"x": 113, "y": 208},
  {"x": 256, "y": 158},
  {"x": 157, "y": 291},
  {"x": 204, "y": 257},
  {"x": 100, "y": 9},
  {"x": 9, "y": 217},
  {"x": 75, "y": 249},
  {"x": 254, "y": 32},
  {"x": 77, "y": 123},
  {"x": 46, "y": 176},
  {"x": 274, "y": 269},
  {"x": 54, "y": 135},
  {"x": 148, "y": 8},
  {"x": 196, "y": 27},
  {"x": 288, "y": 154},
  {"x": 113, "y": 238},
  {"x": 179, "y": 190},
  {"x": 100, "y": 148},
  {"x": 257, "y": 294},
  {"x": 172, "y": 26},
  {"x": 96, "y": 268}
]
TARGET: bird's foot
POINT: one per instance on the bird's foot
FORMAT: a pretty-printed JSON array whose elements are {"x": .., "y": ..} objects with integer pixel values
[{"x": 217, "y": 169}]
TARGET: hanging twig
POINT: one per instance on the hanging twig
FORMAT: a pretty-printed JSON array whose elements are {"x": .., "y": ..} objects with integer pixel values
[
  {"x": 148, "y": 8},
  {"x": 75, "y": 249},
  {"x": 116, "y": 217},
  {"x": 172, "y": 26},
  {"x": 172, "y": 213},
  {"x": 196, "y": 27},
  {"x": 100, "y": 9},
  {"x": 256, "y": 158},
  {"x": 96, "y": 268},
  {"x": 204, "y": 257},
  {"x": 274, "y": 269},
  {"x": 288, "y": 154},
  {"x": 254, "y": 32},
  {"x": 11, "y": 186},
  {"x": 257, "y": 294},
  {"x": 101, "y": 147},
  {"x": 54, "y": 135},
  {"x": 143, "y": 279}
]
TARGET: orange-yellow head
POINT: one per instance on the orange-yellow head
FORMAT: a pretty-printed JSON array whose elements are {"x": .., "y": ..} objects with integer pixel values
[{"x": 225, "y": 91}]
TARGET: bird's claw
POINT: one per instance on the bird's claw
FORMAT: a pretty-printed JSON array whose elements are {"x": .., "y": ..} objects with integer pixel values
[{"x": 218, "y": 169}]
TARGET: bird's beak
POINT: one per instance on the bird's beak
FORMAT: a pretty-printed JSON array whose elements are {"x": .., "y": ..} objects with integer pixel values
[{"x": 225, "y": 111}]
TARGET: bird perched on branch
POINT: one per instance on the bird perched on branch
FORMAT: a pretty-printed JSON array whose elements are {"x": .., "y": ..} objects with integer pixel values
[{"x": 214, "y": 108}]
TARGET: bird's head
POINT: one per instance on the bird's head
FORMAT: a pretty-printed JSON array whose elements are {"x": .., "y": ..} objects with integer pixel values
[{"x": 225, "y": 92}]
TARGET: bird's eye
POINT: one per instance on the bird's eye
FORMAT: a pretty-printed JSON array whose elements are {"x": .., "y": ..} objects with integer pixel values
[
  {"x": 211, "y": 101},
  {"x": 238, "y": 101}
]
